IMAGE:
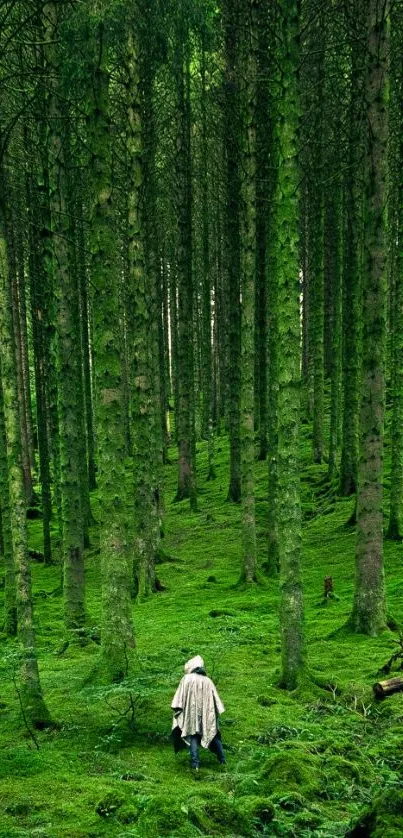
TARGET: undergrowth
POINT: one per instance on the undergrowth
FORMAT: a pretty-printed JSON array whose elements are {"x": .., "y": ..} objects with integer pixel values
[{"x": 318, "y": 762}]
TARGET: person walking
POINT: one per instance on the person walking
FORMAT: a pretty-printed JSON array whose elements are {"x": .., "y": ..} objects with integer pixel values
[{"x": 197, "y": 706}]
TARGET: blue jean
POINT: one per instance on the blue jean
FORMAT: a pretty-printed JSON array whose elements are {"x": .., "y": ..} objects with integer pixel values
[{"x": 215, "y": 746}]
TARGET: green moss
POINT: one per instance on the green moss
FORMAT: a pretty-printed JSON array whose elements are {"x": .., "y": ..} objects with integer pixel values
[
  {"x": 293, "y": 768},
  {"x": 383, "y": 817},
  {"x": 163, "y": 815},
  {"x": 259, "y": 811},
  {"x": 216, "y": 813}
]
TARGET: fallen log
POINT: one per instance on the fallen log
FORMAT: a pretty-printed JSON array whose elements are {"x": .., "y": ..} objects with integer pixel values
[{"x": 384, "y": 688}]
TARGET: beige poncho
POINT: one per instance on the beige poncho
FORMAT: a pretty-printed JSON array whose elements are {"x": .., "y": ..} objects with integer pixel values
[{"x": 196, "y": 704}]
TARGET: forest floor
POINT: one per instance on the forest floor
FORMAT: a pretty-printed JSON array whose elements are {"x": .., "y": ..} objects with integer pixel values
[{"x": 301, "y": 764}]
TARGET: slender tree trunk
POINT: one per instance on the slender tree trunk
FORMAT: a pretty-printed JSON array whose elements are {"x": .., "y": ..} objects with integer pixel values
[
  {"x": 352, "y": 282},
  {"x": 248, "y": 277},
  {"x": 232, "y": 129},
  {"x": 40, "y": 365},
  {"x": 25, "y": 454},
  {"x": 208, "y": 391},
  {"x": 70, "y": 395},
  {"x": 287, "y": 271},
  {"x": 395, "y": 527},
  {"x": 85, "y": 348},
  {"x": 10, "y": 602},
  {"x": 22, "y": 309},
  {"x": 333, "y": 265},
  {"x": 117, "y": 629},
  {"x": 369, "y": 609},
  {"x": 143, "y": 453},
  {"x": 30, "y": 688},
  {"x": 185, "y": 413}
]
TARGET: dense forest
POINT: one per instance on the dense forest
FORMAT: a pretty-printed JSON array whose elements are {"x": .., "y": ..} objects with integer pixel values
[{"x": 201, "y": 413}]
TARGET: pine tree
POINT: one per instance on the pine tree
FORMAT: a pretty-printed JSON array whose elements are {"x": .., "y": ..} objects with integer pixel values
[
  {"x": 116, "y": 575},
  {"x": 70, "y": 395},
  {"x": 10, "y": 605},
  {"x": 232, "y": 222},
  {"x": 352, "y": 258},
  {"x": 369, "y": 609},
  {"x": 185, "y": 408},
  {"x": 289, "y": 376},
  {"x": 141, "y": 351},
  {"x": 248, "y": 277},
  {"x": 30, "y": 688},
  {"x": 395, "y": 236}
]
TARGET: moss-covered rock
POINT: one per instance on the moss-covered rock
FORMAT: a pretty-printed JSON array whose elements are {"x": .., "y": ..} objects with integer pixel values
[
  {"x": 292, "y": 768},
  {"x": 383, "y": 818},
  {"x": 259, "y": 811},
  {"x": 164, "y": 815},
  {"x": 338, "y": 770},
  {"x": 289, "y": 801},
  {"x": 216, "y": 813}
]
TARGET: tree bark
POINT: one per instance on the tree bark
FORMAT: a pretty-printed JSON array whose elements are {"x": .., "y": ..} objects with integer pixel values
[{"x": 369, "y": 608}]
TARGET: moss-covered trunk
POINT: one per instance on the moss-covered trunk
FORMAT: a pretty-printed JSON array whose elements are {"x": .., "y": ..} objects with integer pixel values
[
  {"x": 352, "y": 259},
  {"x": 248, "y": 282},
  {"x": 117, "y": 629},
  {"x": 369, "y": 609},
  {"x": 289, "y": 373},
  {"x": 395, "y": 223},
  {"x": 30, "y": 688},
  {"x": 185, "y": 408},
  {"x": 10, "y": 603},
  {"x": 139, "y": 301},
  {"x": 232, "y": 243},
  {"x": 70, "y": 401}
]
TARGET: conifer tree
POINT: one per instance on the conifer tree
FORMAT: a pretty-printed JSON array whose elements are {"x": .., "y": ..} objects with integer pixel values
[
  {"x": 30, "y": 688},
  {"x": 139, "y": 299},
  {"x": 369, "y": 609},
  {"x": 248, "y": 277},
  {"x": 185, "y": 408},
  {"x": 395, "y": 236},
  {"x": 116, "y": 573},
  {"x": 70, "y": 396},
  {"x": 289, "y": 376},
  {"x": 10, "y": 605},
  {"x": 352, "y": 256},
  {"x": 232, "y": 247}
]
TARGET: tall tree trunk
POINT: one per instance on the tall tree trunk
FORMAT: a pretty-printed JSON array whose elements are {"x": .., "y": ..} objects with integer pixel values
[
  {"x": 185, "y": 412},
  {"x": 333, "y": 265},
  {"x": 287, "y": 271},
  {"x": 233, "y": 201},
  {"x": 10, "y": 602},
  {"x": 248, "y": 277},
  {"x": 38, "y": 310},
  {"x": 86, "y": 348},
  {"x": 207, "y": 349},
  {"x": 25, "y": 453},
  {"x": 369, "y": 609},
  {"x": 144, "y": 444},
  {"x": 352, "y": 281},
  {"x": 395, "y": 527},
  {"x": 30, "y": 688},
  {"x": 117, "y": 629},
  {"x": 70, "y": 396}
]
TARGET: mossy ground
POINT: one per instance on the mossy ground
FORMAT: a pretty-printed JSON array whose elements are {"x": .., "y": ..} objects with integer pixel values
[{"x": 303, "y": 764}]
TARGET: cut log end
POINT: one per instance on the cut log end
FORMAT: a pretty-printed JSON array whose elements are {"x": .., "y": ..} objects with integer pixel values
[{"x": 384, "y": 688}]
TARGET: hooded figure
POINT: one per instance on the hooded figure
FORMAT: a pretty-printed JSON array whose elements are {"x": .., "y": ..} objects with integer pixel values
[{"x": 197, "y": 705}]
